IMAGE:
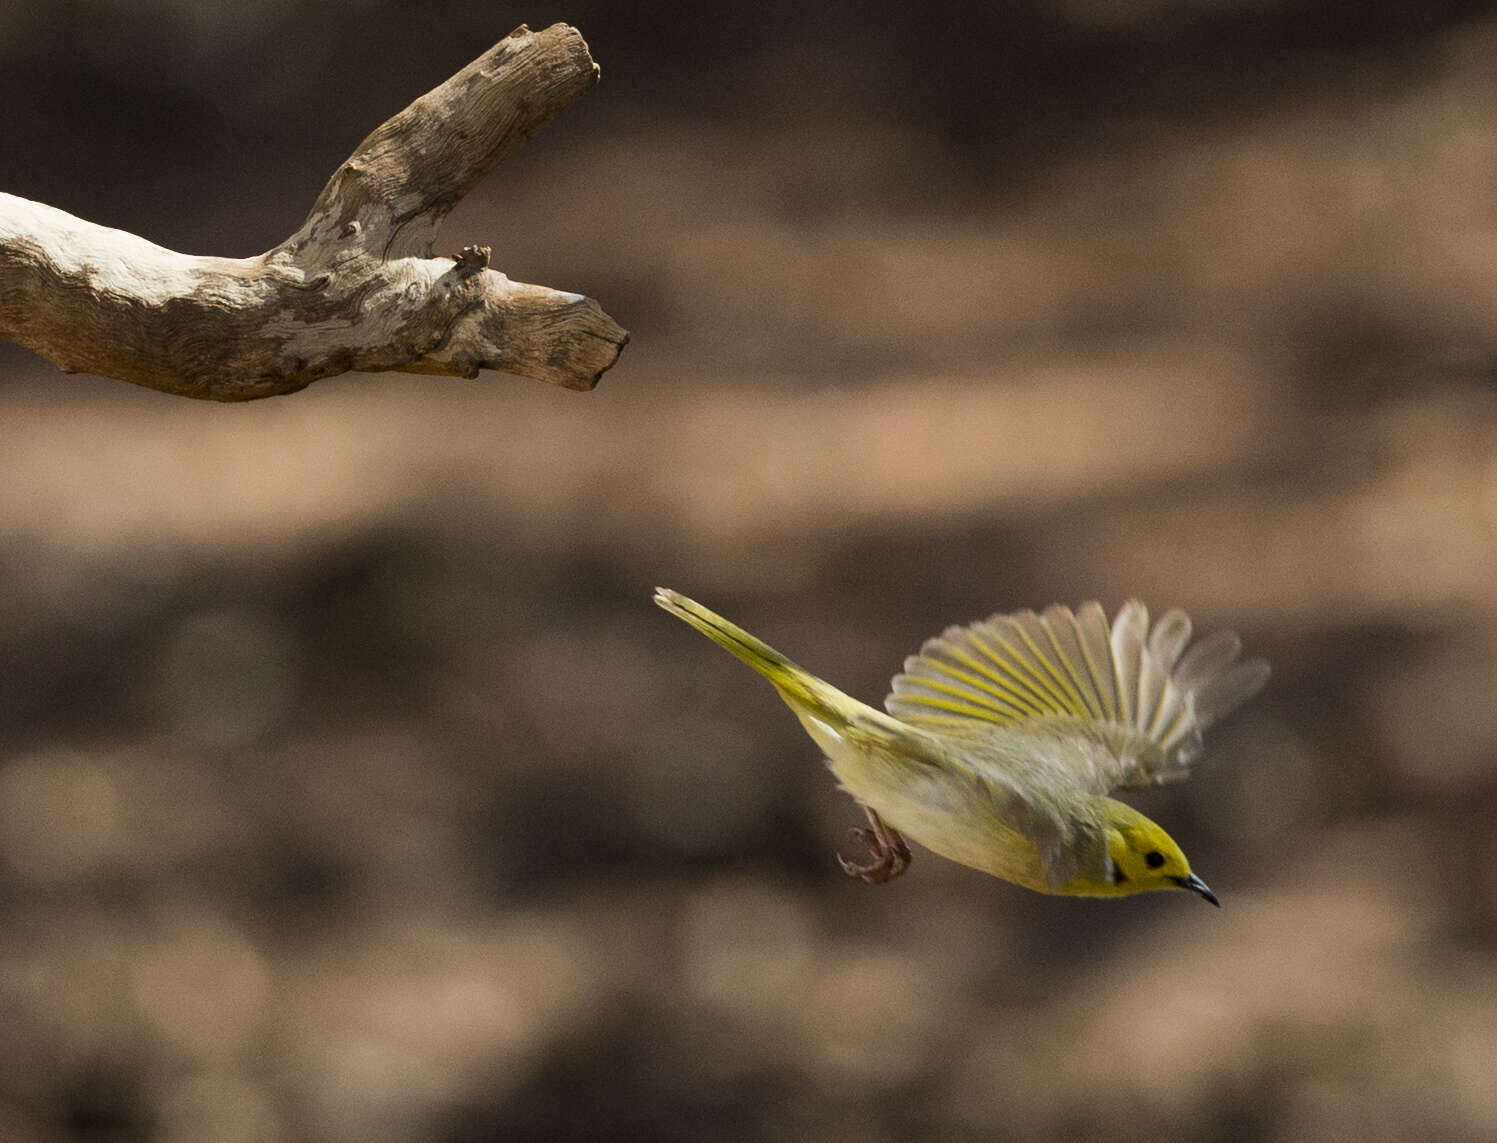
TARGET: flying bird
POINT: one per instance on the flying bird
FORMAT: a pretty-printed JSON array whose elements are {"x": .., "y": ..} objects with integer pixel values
[{"x": 1004, "y": 739}]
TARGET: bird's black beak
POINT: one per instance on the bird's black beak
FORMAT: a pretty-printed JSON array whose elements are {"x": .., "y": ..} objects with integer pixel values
[{"x": 1196, "y": 885}]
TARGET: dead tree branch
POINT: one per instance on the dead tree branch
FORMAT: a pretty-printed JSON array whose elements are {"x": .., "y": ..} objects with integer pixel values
[{"x": 356, "y": 288}]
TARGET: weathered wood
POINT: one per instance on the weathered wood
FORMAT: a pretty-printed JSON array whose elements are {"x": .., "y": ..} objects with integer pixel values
[{"x": 355, "y": 288}]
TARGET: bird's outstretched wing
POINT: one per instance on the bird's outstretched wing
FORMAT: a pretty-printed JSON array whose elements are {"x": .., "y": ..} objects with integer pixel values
[{"x": 1138, "y": 691}]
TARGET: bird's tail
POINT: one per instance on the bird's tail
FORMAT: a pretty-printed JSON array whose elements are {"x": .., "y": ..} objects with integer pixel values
[
  {"x": 848, "y": 731},
  {"x": 805, "y": 693}
]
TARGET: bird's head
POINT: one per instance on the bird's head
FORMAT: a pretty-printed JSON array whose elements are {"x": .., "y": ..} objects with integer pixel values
[{"x": 1144, "y": 857}]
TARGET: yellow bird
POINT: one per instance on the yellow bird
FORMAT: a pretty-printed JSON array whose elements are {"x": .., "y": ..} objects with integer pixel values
[{"x": 1004, "y": 738}]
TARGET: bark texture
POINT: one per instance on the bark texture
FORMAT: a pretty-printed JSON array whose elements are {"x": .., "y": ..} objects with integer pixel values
[{"x": 355, "y": 288}]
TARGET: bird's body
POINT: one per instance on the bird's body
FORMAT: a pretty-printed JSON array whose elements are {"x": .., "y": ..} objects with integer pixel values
[
  {"x": 955, "y": 808},
  {"x": 1005, "y": 737}
]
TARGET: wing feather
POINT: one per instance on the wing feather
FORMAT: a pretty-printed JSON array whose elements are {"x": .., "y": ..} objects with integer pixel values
[
  {"x": 1128, "y": 631},
  {"x": 1041, "y": 642},
  {"x": 1064, "y": 637},
  {"x": 1225, "y": 692},
  {"x": 1145, "y": 694},
  {"x": 1210, "y": 656},
  {"x": 1096, "y": 645},
  {"x": 1004, "y": 647},
  {"x": 1166, "y": 642}
]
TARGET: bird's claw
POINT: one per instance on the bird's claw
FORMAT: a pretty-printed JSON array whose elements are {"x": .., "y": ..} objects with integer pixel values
[{"x": 890, "y": 853}]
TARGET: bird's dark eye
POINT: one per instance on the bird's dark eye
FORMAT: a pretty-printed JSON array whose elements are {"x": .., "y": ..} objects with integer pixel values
[{"x": 1153, "y": 859}]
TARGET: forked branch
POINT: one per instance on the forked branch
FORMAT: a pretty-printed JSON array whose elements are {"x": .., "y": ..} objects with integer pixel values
[{"x": 355, "y": 288}]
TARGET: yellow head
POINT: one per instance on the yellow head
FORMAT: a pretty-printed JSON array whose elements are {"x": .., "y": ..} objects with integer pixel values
[{"x": 1144, "y": 857}]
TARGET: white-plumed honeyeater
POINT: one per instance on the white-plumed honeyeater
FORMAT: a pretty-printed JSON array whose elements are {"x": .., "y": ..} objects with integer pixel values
[{"x": 1004, "y": 739}]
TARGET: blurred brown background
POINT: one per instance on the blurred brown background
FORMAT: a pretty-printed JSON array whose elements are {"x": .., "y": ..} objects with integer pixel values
[{"x": 351, "y": 789}]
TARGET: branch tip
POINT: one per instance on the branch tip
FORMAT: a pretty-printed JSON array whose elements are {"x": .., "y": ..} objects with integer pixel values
[{"x": 472, "y": 258}]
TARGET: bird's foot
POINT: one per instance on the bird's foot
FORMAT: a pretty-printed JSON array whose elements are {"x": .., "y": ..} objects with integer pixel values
[{"x": 890, "y": 853}]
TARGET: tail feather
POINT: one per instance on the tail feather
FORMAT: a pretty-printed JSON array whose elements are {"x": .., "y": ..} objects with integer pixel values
[
  {"x": 795, "y": 684},
  {"x": 844, "y": 728}
]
